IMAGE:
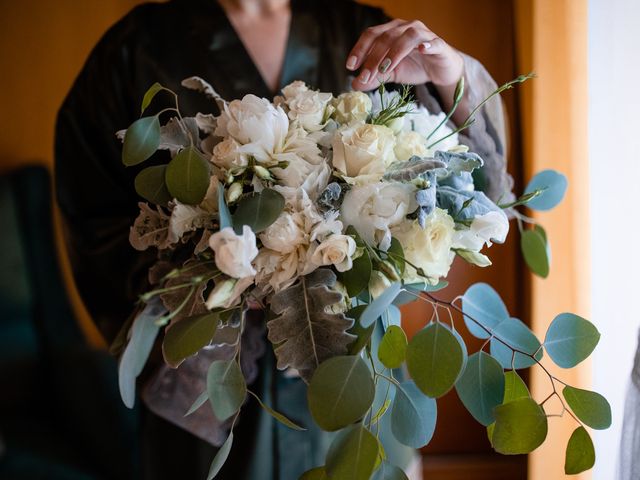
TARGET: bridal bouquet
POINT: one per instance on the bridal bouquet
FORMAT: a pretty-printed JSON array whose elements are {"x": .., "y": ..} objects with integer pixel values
[{"x": 329, "y": 212}]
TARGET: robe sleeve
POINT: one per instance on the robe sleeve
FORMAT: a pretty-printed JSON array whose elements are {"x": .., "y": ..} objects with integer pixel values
[{"x": 94, "y": 190}]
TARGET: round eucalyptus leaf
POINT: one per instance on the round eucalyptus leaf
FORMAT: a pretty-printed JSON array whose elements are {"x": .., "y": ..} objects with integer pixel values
[
  {"x": 340, "y": 392},
  {"x": 317, "y": 473},
  {"x": 435, "y": 359},
  {"x": 187, "y": 176},
  {"x": 221, "y": 457},
  {"x": 481, "y": 386},
  {"x": 387, "y": 471},
  {"x": 554, "y": 186},
  {"x": 413, "y": 416},
  {"x": 483, "y": 304},
  {"x": 514, "y": 388},
  {"x": 226, "y": 387},
  {"x": 376, "y": 308},
  {"x": 187, "y": 336},
  {"x": 393, "y": 347},
  {"x": 352, "y": 454},
  {"x": 570, "y": 339},
  {"x": 518, "y": 336},
  {"x": 521, "y": 427},
  {"x": 580, "y": 455},
  {"x": 590, "y": 407},
  {"x": 258, "y": 210},
  {"x": 534, "y": 250},
  {"x": 410, "y": 292},
  {"x": 357, "y": 278},
  {"x": 150, "y": 185},
  {"x": 141, "y": 140}
]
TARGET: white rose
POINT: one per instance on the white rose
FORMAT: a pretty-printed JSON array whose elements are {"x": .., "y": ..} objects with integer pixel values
[
  {"x": 234, "y": 253},
  {"x": 409, "y": 144},
  {"x": 352, "y": 107},
  {"x": 308, "y": 108},
  {"x": 363, "y": 150},
  {"x": 227, "y": 155},
  {"x": 485, "y": 229},
  {"x": 278, "y": 270},
  {"x": 294, "y": 89},
  {"x": 375, "y": 208},
  {"x": 428, "y": 248},
  {"x": 336, "y": 250},
  {"x": 424, "y": 123},
  {"x": 258, "y": 126},
  {"x": 285, "y": 234}
]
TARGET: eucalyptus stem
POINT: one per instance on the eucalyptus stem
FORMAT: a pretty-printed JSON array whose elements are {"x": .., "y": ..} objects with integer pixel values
[
  {"x": 167, "y": 318},
  {"x": 457, "y": 98}
]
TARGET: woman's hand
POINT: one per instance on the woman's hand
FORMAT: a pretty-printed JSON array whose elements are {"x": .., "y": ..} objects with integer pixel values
[
  {"x": 403, "y": 52},
  {"x": 408, "y": 52}
]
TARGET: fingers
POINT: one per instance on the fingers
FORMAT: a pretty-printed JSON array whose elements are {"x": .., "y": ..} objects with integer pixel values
[
  {"x": 410, "y": 39},
  {"x": 434, "y": 46},
  {"x": 366, "y": 40}
]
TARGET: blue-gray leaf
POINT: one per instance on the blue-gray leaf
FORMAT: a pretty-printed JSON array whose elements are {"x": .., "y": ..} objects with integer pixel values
[
  {"x": 554, "y": 185},
  {"x": 221, "y": 457},
  {"x": 481, "y": 386},
  {"x": 224, "y": 217},
  {"x": 376, "y": 308},
  {"x": 570, "y": 339},
  {"x": 413, "y": 416},
  {"x": 483, "y": 304},
  {"x": 520, "y": 337}
]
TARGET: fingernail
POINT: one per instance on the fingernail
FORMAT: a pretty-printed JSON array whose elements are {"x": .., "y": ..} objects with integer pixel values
[
  {"x": 426, "y": 46},
  {"x": 364, "y": 76},
  {"x": 351, "y": 62},
  {"x": 384, "y": 66}
]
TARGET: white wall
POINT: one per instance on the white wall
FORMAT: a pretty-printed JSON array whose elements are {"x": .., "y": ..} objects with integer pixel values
[{"x": 614, "y": 145}]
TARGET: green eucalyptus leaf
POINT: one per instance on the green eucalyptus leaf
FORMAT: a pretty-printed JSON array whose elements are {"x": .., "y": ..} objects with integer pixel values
[
  {"x": 340, "y": 392},
  {"x": 187, "y": 336},
  {"x": 198, "y": 402},
  {"x": 277, "y": 415},
  {"x": 483, "y": 304},
  {"x": 580, "y": 455},
  {"x": 413, "y": 416},
  {"x": 187, "y": 176},
  {"x": 258, "y": 210},
  {"x": 435, "y": 359},
  {"x": 352, "y": 454},
  {"x": 518, "y": 336},
  {"x": 393, "y": 347},
  {"x": 590, "y": 407},
  {"x": 534, "y": 250},
  {"x": 224, "y": 217},
  {"x": 514, "y": 388},
  {"x": 397, "y": 255},
  {"x": 362, "y": 334},
  {"x": 149, "y": 95},
  {"x": 570, "y": 339},
  {"x": 221, "y": 457},
  {"x": 317, "y": 473},
  {"x": 553, "y": 185},
  {"x": 521, "y": 427},
  {"x": 481, "y": 386},
  {"x": 376, "y": 308},
  {"x": 150, "y": 185},
  {"x": 387, "y": 471},
  {"x": 226, "y": 388},
  {"x": 357, "y": 279},
  {"x": 141, "y": 140}
]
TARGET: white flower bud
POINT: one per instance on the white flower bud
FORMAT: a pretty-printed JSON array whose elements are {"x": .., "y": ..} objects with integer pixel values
[{"x": 234, "y": 192}]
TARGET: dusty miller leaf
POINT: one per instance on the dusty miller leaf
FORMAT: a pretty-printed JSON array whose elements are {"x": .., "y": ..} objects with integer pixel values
[
  {"x": 174, "y": 298},
  {"x": 304, "y": 332},
  {"x": 412, "y": 168},
  {"x": 150, "y": 229},
  {"x": 174, "y": 136}
]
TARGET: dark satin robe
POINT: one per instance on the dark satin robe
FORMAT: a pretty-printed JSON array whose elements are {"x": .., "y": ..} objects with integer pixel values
[{"x": 166, "y": 43}]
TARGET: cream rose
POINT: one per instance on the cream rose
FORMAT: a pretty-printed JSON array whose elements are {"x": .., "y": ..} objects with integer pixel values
[
  {"x": 409, "y": 144},
  {"x": 308, "y": 108},
  {"x": 352, "y": 107},
  {"x": 234, "y": 253},
  {"x": 335, "y": 250},
  {"x": 428, "y": 248},
  {"x": 364, "y": 151},
  {"x": 227, "y": 155},
  {"x": 375, "y": 208},
  {"x": 286, "y": 233},
  {"x": 294, "y": 89}
]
